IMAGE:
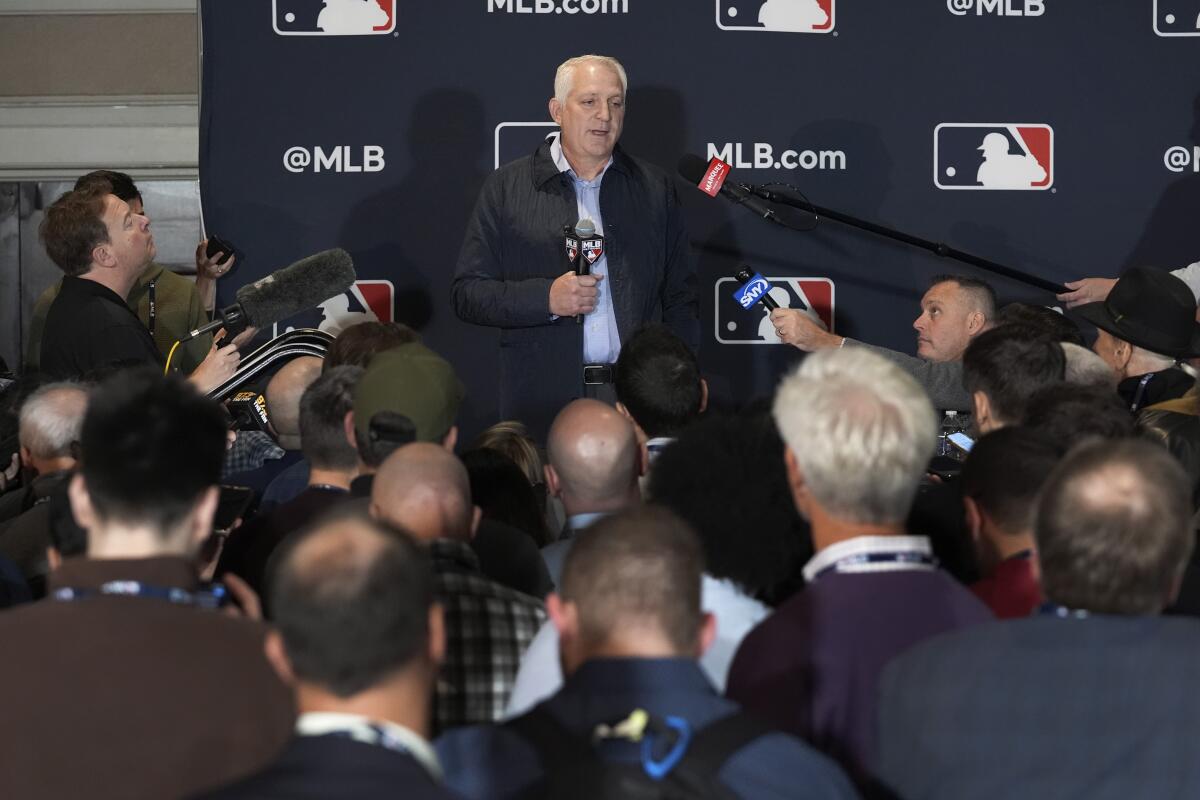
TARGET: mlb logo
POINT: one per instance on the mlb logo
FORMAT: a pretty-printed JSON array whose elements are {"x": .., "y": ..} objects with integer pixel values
[
  {"x": 1177, "y": 17},
  {"x": 993, "y": 156},
  {"x": 752, "y": 324},
  {"x": 593, "y": 249},
  {"x": 333, "y": 17},
  {"x": 516, "y": 139},
  {"x": 365, "y": 301},
  {"x": 781, "y": 16}
]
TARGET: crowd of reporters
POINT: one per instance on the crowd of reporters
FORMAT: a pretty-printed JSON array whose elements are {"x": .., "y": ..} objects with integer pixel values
[{"x": 790, "y": 599}]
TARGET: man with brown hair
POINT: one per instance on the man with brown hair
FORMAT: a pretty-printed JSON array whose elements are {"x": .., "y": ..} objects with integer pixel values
[{"x": 102, "y": 246}]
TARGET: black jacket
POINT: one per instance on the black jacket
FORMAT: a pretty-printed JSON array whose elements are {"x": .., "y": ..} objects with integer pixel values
[{"x": 513, "y": 252}]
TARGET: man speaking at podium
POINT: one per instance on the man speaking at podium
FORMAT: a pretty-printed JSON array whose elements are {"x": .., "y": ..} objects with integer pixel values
[{"x": 561, "y": 332}]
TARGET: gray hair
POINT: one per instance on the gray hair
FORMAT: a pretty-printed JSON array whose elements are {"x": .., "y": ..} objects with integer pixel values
[
  {"x": 564, "y": 77},
  {"x": 1149, "y": 356},
  {"x": 861, "y": 430},
  {"x": 1085, "y": 368},
  {"x": 51, "y": 419}
]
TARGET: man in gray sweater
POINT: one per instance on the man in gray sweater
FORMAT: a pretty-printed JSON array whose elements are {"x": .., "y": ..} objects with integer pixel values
[{"x": 954, "y": 310}]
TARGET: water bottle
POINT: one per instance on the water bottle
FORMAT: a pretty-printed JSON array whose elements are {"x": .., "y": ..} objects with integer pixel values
[{"x": 950, "y": 424}]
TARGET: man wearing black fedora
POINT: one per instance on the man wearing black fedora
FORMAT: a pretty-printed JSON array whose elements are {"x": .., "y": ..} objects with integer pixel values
[{"x": 1147, "y": 324}]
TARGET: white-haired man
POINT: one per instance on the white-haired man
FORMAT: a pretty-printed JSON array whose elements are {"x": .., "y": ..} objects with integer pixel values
[
  {"x": 512, "y": 271},
  {"x": 50, "y": 422},
  {"x": 858, "y": 432}
]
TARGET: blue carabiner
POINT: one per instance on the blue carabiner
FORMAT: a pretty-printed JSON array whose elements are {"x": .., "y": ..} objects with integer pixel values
[{"x": 659, "y": 769}]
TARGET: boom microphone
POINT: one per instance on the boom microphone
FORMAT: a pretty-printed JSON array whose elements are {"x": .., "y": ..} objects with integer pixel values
[
  {"x": 712, "y": 178},
  {"x": 295, "y": 288}
]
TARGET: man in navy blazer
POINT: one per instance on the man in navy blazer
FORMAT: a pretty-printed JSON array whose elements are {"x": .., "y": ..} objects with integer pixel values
[
  {"x": 513, "y": 267},
  {"x": 1093, "y": 697},
  {"x": 359, "y": 637}
]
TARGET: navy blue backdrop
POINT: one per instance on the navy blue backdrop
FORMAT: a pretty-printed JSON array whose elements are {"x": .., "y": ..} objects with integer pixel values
[{"x": 371, "y": 124}]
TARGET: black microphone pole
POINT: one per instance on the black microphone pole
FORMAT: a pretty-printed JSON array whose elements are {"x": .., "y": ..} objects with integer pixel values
[{"x": 937, "y": 248}]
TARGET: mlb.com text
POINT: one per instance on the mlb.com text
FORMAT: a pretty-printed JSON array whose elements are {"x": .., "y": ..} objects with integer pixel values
[
  {"x": 761, "y": 155},
  {"x": 558, "y": 6}
]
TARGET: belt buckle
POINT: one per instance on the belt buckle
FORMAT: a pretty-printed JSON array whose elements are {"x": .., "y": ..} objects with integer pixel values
[{"x": 597, "y": 374}]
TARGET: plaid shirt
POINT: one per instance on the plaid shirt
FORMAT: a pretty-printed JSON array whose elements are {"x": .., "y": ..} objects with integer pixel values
[
  {"x": 251, "y": 449},
  {"x": 488, "y": 628}
]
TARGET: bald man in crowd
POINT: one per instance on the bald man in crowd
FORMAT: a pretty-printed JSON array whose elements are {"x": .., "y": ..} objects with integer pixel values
[
  {"x": 358, "y": 637},
  {"x": 595, "y": 460},
  {"x": 423, "y": 489},
  {"x": 283, "y": 398},
  {"x": 257, "y": 457}
]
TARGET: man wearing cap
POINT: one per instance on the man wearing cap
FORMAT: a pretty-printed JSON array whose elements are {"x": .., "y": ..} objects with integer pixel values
[
  {"x": 1144, "y": 327},
  {"x": 408, "y": 394},
  {"x": 513, "y": 270}
]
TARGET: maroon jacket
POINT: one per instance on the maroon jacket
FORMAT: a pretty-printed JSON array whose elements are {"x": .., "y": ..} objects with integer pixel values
[{"x": 119, "y": 697}]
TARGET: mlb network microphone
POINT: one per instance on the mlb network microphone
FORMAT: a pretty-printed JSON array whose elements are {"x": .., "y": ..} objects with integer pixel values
[
  {"x": 993, "y": 156},
  {"x": 334, "y": 17}
]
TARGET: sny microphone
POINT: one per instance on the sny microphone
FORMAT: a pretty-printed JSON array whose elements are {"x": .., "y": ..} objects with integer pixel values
[
  {"x": 712, "y": 179},
  {"x": 588, "y": 248},
  {"x": 754, "y": 289},
  {"x": 295, "y": 288}
]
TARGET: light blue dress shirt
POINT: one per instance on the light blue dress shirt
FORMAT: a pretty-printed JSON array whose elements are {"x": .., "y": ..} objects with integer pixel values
[{"x": 601, "y": 341}]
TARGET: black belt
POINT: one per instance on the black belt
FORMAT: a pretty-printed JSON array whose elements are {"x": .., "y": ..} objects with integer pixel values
[{"x": 595, "y": 374}]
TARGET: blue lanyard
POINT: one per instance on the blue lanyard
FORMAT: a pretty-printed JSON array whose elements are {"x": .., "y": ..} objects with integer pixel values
[
  {"x": 1137, "y": 397},
  {"x": 208, "y": 599},
  {"x": 906, "y": 558},
  {"x": 373, "y": 735},
  {"x": 1062, "y": 612}
]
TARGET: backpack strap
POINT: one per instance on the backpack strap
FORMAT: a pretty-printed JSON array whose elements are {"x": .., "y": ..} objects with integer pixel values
[
  {"x": 718, "y": 741},
  {"x": 554, "y": 742}
]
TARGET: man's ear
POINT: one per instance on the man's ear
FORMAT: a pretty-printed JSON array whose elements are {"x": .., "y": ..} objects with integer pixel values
[
  {"x": 703, "y": 396},
  {"x": 623, "y": 411},
  {"x": 552, "y": 484},
  {"x": 277, "y": 657},
  {"x": 1122, "y": 353},
  {"x": 81, "y": 503},
  {"x": 564, "y": 615},
  {"x": 26, "y": 457},
  {"x": 476, "y": 516},
  {"x": 437, "y": 634},
  {"x": 975, "y": 322},
  {"x": 201, "y": 518},
  {"x": 974, "y": 518},
  {"x": 348, "y": 429},
  {"x": 450, "y": 439},
  {"x": 643, "y": 459},
  {"x": 555, "y": 110},
  {"x": 102, "y": 254},
  {"x": 796, "y": 482},
  {"x": 707, "y": 634},
  {"x": 982, "y": 410}
]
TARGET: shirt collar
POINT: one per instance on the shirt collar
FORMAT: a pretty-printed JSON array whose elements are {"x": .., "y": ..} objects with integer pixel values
[
  {"x": 358, "y": 727},
  {"x": 578, "y": 522},
  {"x": 603, "y": 675},
  {"x": 870, "y": 546},
  {"x": 560, "y": 161},
  {"x": 92, "y": 573}
]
